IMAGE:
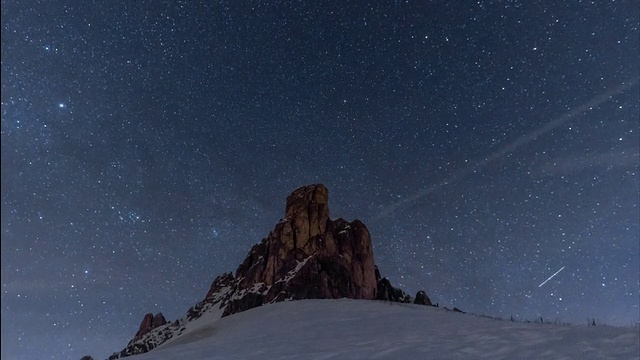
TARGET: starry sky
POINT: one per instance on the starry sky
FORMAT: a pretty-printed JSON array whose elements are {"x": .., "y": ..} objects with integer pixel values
[{"x": 146, "y": 145}]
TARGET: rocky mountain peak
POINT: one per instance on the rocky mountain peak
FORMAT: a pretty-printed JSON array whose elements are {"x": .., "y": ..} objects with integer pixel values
[
  {"x": 149, "y": 322},
  {"x": 306, "y": 256}
]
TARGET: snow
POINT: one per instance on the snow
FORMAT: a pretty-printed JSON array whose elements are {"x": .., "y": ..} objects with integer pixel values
[
  {"x": 361, "y": 329},
  {"x": 209, "y": 316},
  {"x": 294, "y": 271},
  {"x": 221, "y": 293},
  {"x": 346, "y": 229},
  {"x": 257, "y": 288}
]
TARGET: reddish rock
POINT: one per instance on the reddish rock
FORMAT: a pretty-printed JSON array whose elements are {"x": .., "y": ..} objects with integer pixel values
[
  {"x": 307, "y": 255},
  {"x": 149, "y": 322},
  {"x": 158, "y": 320},
  {"x": 148, "y": 336}
]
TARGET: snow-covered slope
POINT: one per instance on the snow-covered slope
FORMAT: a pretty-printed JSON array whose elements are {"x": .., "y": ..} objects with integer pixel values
[{"x": 362, "y": 329}]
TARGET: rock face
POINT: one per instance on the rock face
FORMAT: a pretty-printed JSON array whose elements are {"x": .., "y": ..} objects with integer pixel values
[
  {"x": 306, "y": 256},
  {"x": 219, "y": 285},
  {"x": 149, "y": 322},
  {"x": 153, "y": 331}
]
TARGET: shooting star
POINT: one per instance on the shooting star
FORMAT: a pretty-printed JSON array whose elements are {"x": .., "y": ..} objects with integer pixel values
[{"x": 551, "y": 277}]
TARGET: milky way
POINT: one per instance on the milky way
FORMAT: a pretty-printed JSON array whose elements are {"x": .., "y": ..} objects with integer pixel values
[{"x": 146, "y": 145}]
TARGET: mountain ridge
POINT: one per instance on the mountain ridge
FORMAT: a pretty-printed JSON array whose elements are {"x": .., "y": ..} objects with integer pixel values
[{"x": 306, "y": 256}]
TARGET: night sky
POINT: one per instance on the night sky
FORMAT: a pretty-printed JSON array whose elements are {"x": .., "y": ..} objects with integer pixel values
[{"x": 146, "y": 145}]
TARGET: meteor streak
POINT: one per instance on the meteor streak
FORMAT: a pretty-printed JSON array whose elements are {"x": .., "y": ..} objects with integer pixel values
[{"x": 551, "y": 277}]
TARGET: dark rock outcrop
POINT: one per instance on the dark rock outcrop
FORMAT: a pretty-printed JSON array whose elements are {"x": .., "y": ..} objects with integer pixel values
[
  {"x": 387, "y": 292},
  {"x": 422, "y": 299}
]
